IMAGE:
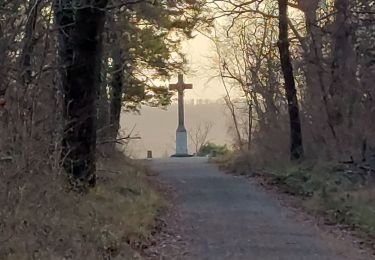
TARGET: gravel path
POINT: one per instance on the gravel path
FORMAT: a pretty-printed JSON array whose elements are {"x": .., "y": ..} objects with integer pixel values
[{"x": 227, "y": 217}]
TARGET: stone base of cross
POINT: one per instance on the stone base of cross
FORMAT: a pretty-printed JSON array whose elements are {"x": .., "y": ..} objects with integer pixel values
[{"x": 181, "y": 134}]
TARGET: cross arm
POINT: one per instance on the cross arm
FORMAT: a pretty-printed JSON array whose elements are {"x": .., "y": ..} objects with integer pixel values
[{"x": 180, "y": 87}]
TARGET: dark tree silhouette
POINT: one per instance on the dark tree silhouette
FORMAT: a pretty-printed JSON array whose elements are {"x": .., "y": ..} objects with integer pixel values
[
  {"x": 296, "y": 145},
  {"x": 80, "y": 48}
]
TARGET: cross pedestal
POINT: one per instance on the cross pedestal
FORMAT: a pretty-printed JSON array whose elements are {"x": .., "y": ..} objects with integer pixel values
[{"x": 181, "y": 134}]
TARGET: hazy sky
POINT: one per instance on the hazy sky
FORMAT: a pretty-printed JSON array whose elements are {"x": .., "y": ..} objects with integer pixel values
[{"x": 199, "y": 52}]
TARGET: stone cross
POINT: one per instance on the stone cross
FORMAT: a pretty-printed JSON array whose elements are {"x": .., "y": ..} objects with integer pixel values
[{"x": 181, "y": 134}]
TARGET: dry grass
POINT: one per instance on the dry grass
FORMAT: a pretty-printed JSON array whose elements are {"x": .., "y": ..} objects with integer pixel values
[
  {"x": 40, "y": 216},
  {"x": 41, "y": 219},
  {"x": 127, "y": 197}
]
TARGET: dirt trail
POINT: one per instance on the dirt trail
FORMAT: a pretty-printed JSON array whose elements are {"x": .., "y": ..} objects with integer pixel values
[{"x": 226, "y": 217}]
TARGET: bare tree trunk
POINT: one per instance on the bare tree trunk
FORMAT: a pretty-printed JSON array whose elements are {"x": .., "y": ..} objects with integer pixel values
[
  {"x": 250, "y": 126},
  {"x": 3, "y": 55},
  {"x": 342, "y": 52},
  {"x": 232, "y": 109},
  {"x": 344, "y": 62},
  {"x": 30, "y": 42},
  {"x": 344, "y": 87},
  {"x": 103, "y": 102},
  {"x": 82, "y": 46},
  {"x": 296, "y": 145},
  {"x": 317, "y": 75},
  {"x": 3, "y": 85},
  {"x": 117, "y": 88}
]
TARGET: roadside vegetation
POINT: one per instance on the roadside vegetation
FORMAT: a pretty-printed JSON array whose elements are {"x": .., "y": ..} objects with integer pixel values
[
  {"x": 213, "y": 150},
  {"x": 299, "y": 77},
  {"x": 129, "y": 202},
  {"x": 68, "y": 69},
  {"x": 342, "y": 193},
  {"x": 114, "y": 220}
]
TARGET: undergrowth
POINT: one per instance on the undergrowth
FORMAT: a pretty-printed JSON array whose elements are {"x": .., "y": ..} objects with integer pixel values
[
  {"x": 41, "y": 218},
  {"x": 127, "y": 199},
  {"x": 343, "y": 193}
]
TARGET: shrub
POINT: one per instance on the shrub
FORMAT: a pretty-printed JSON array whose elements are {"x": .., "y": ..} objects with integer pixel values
[{"x": 211, "y": 149}]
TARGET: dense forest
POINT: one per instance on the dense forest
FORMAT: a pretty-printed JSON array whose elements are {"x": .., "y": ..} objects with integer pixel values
[
  {"x": 307, "y": 72},
  {"x": 299, "y": 77}
]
